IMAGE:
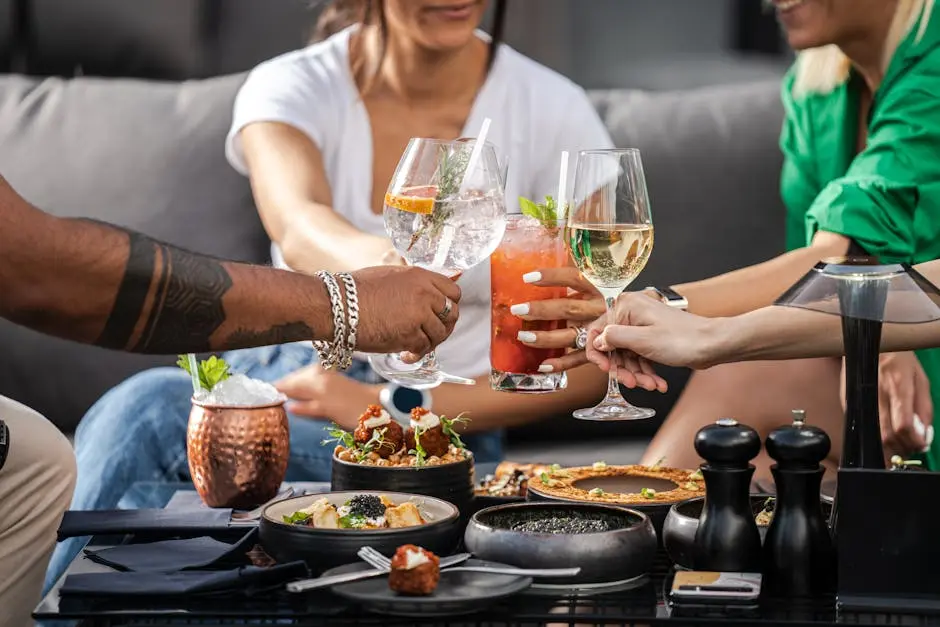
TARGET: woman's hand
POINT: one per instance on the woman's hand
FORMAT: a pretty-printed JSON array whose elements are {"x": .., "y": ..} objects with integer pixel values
[
  {"x": 325, "y": 394},
  {"x": 579, "y": 308},
  {"x": 904, "y": 403}
]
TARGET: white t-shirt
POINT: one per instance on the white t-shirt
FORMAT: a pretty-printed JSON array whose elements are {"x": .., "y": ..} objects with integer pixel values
[{"x": 536, "y": 113}]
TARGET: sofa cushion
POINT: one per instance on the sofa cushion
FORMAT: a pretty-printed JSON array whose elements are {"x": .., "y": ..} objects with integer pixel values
[{"x": 148, "y": 156}]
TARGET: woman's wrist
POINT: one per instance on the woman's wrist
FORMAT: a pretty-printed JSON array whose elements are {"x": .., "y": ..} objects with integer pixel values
[{"x": 724, "y": 340}]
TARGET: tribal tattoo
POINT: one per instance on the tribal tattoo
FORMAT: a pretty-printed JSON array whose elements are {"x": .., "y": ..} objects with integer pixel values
[
  {"x": 290, "y": 332},
  {"x": 186, "y": 304}
]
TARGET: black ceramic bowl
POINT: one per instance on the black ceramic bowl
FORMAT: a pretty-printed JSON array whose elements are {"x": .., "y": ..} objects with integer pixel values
[
  {"x": 622, "y": 553},
  {"x": 656, "y": 511},
  {"x": 449, "y": 482},
  {"x": 327, "y": 548},
  {"x": 682, "y": 523}
]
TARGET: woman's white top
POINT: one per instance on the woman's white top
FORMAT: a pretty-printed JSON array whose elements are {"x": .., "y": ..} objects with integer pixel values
[{"x": 536, "y": 113}]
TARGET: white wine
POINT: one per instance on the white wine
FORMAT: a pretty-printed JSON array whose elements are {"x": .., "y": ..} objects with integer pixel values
[{"x": 610, "y": 256}]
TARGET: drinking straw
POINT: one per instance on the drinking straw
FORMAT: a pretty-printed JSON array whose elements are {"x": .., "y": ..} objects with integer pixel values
[
  {"x": 563, "y": 184},
  {"x": 194, "y": 372},
  {"x": 475, "y": 155}
]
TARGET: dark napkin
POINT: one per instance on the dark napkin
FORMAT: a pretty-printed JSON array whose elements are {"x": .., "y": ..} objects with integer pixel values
[
  {"x": 246, "y": 580},
  {"x": 168, "y": 522},
  {"x": 174, "y": 555}
]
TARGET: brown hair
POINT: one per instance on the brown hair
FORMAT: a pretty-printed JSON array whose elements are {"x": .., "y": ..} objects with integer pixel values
[{"x": 340, "y": 14}]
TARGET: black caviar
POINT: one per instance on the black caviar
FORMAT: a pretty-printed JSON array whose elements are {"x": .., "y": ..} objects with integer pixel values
[{"x": 367, "y": 506}]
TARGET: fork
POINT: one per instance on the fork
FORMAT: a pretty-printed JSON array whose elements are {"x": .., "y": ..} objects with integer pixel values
[
  {"x": 380, "y": 562},
  {"x": 255, "y": 514},
  {"x": 332, "y": 580}
]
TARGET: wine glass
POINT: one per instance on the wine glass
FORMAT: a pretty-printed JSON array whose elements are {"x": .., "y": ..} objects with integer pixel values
[
  {"x": 444, "y": 211},
  {"x": 610, "y": 238}
]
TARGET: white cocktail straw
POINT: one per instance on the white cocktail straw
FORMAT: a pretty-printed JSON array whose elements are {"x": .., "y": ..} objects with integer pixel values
[
  {"x": 563, "y": 185},
  {"x": 475, "y": 155},
  {"x": 194, "y": 372}
]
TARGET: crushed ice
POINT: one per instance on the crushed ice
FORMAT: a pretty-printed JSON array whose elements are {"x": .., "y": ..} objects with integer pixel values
[{"x": 240, "y": 390}]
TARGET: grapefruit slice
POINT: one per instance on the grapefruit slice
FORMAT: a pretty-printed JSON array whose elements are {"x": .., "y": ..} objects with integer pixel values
[{"x": 414, "y": 200}]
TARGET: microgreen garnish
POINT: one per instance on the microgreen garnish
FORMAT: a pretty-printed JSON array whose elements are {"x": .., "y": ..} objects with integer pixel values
[
  {"x": 351, "y": 521},
  {"x": 597, "y": 492},
  {"x": 451, "y": 172},
  {"x": 210, "y": 371},
  {"x": 339, "y": 436},
  {"x": 447, "y": 426},
  {"x": 418, "y": 451},
  {"x": 648, "y": 492},
  {"x": 297, "y": 518},
  {"x": 691, "y": 485},
  {"x": 545, "y": 212},
  {"x": 544, "y": 478},
  {"x": 697, "y": 475},
  {"x": 376, "y": 441}
]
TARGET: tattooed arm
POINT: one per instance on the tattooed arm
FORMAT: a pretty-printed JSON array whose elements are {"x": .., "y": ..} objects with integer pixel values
[{"x": 103, "y": 285}]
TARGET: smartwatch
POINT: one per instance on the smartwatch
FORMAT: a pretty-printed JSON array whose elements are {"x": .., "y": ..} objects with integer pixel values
[
  {"x": 4, "y": 443},
  {"x": 669, "y": 296},
  {"x": 398, "y": 401}
]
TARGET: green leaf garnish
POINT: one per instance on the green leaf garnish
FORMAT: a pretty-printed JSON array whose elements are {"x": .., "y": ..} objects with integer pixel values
[
  {"x": 447, "y": 426},
  {"x": 418, "y": 451},
  {"x": 210, "y": 371},
  {"x": 339, "y": 436},
  {"x": 596, "y": 492},
  {"x": 376, "y": 441},
  {"x": 546, "y": 212},
  {"x": 352, "y": 521},
  {"x": 297, "y": 518},
  {"x": 648, "y": 492},
  {"x": 544, "y": 478}
]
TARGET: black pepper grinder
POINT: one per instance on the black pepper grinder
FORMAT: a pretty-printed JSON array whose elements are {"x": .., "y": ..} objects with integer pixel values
[
  {"x": 799, "y": 556},
  {"x": 727, "y": 539}
]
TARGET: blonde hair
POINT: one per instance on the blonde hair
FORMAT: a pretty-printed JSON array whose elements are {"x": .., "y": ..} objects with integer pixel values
[{"x": 821, "y": 70}]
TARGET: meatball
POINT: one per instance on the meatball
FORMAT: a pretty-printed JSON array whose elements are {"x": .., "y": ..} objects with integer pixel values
[
  {"x": 415, "y": 571},
  {"x": 374, "y": 419}
]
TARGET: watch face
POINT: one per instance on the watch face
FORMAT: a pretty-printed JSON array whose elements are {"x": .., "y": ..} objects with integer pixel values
[{"x": 406, "y": 399}]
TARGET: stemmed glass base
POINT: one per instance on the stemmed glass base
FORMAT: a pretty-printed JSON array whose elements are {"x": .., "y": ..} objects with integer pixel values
[
  {"x": 423, "y": 375},
  {"x": 614, "y": 407}
]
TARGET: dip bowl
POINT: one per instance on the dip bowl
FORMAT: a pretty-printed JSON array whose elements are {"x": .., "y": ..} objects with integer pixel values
[{"x": 609, "y": 544}]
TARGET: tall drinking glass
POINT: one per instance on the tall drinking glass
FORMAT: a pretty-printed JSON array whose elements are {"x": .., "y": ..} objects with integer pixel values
[
  {"x": 444, "y": 211},
  {"x": 610, "y": 238}
]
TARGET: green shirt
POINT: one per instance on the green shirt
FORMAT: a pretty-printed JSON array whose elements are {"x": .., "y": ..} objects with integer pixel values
[{"x": 887, "y": 197}]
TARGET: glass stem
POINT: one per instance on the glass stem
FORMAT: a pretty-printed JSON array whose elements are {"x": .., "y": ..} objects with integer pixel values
[
  {"x": 613, "y": 385},
  {"x": 429, "y": 361}
]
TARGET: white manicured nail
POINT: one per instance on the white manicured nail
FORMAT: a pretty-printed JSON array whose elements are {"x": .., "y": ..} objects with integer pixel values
[
  {"x": 545, "y": 368},
  {"x": 525, "y": 336},
  {"x": 522, "y": 309},
  {"x": 531, "y": 277},
  {"x": 919, "y": 426}
]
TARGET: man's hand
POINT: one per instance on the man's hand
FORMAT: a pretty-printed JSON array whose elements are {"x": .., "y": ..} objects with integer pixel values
[
  {"x": 399, "y": 307},
  {"x": 904, "y": 403},
  {"x": 328, "y": 395}
]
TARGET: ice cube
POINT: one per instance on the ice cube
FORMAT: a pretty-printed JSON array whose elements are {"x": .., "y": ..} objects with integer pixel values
[{"x": 240, "y": 390}]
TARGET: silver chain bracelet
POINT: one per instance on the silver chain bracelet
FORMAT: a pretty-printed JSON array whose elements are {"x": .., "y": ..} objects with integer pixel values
[
  {"x": 331, "y": 354},
  {"x": 352, "y": 316}
]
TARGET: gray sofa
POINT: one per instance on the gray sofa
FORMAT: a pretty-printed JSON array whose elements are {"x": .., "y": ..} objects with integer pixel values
[{"x": 149, "y": 156}]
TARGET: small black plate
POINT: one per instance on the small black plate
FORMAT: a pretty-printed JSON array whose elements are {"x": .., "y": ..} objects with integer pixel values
[{"x": 457, "y": 593}]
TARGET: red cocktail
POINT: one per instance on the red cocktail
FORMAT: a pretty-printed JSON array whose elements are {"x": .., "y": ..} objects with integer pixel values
[{"x": 527, "y": 245}]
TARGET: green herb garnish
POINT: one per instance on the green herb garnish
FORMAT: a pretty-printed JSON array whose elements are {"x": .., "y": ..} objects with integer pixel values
[
  {"x": 352, "y": 521},
  {"x": 453, "y": 166},
  {"x": 210, "y": 371},
  {"x": 597, "y": 492},
  {"x": 418, "y": 451},
  {"x": 297, "y": 518},
  {"x": 648, "y": 492},
  {"x": 447, "y": 426},
  {"x": 545, "y": 212},
  {"x": 697, "y": 475},
  {"x": 376, "y": 441},
  {"x": 339, "y": 436}
]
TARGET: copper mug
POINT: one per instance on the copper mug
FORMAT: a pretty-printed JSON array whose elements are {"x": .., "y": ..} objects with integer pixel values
[{"x": 237, "y": 455}]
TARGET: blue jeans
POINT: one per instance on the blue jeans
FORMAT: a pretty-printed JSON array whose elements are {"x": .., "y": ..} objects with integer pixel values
[{"x": 137, "y": 432}]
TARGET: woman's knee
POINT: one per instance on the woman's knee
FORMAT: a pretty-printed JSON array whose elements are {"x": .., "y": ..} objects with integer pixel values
[{"x": 42, "y": 460}]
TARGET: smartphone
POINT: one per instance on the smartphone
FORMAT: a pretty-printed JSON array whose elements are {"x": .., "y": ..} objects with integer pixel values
[{"x": 701, "y": 587}]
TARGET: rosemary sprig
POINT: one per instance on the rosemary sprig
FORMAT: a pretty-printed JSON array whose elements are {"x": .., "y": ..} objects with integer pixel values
[{"x": 453, "y": 166}]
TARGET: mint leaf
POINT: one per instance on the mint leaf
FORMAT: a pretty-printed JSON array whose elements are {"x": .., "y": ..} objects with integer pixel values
[
  {"x": 210, "y": 371},
  {"x": 530, "y": 208},
  {"x": 546, "y": 213}
]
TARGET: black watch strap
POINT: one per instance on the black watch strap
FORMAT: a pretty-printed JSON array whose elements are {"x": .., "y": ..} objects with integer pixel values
[{"x": 4, "y": 443}]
